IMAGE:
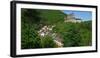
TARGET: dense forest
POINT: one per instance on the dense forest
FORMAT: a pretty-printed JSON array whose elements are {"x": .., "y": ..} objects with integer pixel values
[{"x": 72, "y": 34}]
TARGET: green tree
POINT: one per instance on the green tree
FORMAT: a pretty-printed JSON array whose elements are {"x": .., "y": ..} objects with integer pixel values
[
  {"x": 71, "y": 37},
  {"x": 86, "y": 33},
  {"x": 47, "y": 42},
  {"x": 30, "y": 39},
  {"x": 29, "y": 36}
]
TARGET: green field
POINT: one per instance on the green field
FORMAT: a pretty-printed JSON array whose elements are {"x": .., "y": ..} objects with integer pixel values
[{"x": 70, "y": 34}]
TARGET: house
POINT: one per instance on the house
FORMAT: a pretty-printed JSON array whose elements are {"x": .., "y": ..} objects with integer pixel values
[{"x": 71, "y": 18}]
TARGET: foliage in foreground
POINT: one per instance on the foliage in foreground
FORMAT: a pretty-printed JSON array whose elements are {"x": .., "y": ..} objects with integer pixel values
[
  {"x": 73, "y": 34},
  {"x": 29, "y": 27}
]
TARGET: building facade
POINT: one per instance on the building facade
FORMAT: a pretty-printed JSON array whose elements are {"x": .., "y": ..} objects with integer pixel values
[{"x": 71, "y": 18}]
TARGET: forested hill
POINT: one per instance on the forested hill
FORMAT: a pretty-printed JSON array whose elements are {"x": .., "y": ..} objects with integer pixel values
[
  {"x": 72, "y": 34},
  {"x": 52, "y": 17},
  {"x": 41, "y": 16},
  {"x": 32, "y": 20}
]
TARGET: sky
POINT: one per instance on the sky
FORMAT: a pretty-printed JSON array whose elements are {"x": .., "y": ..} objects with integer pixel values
[{"x": 84, "y": 15}]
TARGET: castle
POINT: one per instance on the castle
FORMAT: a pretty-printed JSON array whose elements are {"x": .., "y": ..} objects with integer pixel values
[{"x": 71, "y": 18}]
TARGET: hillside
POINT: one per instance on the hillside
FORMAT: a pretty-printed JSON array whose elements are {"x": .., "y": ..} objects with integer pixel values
[
  {"x": 51, "y": 17},
  {"x": 44, "y": 28}
]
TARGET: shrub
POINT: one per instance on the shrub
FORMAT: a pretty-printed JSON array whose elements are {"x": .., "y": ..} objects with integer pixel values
[{"x": 47, "y": 42}]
